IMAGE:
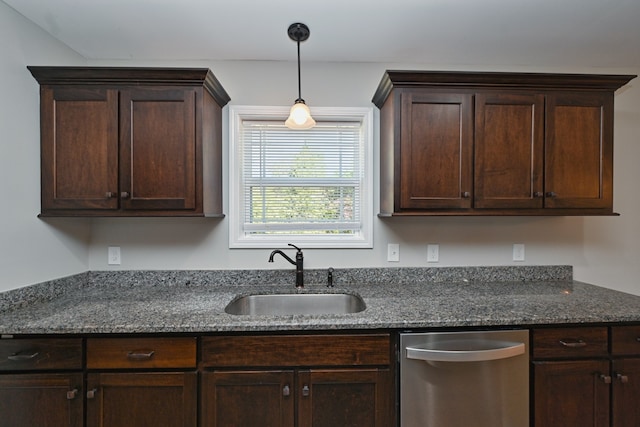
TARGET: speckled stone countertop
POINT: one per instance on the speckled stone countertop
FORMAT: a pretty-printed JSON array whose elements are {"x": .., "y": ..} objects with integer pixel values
[{"x": 396, "y": 298}]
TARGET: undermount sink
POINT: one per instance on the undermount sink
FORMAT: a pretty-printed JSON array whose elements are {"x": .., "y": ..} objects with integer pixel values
[{"x": 289, "y": 304}]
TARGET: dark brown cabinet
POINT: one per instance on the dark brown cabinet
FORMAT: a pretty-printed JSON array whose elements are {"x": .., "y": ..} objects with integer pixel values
[
  {"x": 142, "y": 382},
  {"x": 496, "y": 143},
  {"x": 436, "y": 175},
  {"x": 314, "y": 380},
  {"x": 31, "y": 397},
  {"x": 579, "y": 381},
  {"x": 130, "y": 141},
  {"x": 144, "y": 399}
]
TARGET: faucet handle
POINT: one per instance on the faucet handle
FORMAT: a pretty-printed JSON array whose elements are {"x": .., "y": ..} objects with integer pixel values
[
  {"x": 294, "y": 246},
  {"x": 330, "y": 277}
]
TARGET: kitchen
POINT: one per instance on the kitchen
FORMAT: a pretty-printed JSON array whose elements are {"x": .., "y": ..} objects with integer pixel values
[{"x": 602, "y": 250}]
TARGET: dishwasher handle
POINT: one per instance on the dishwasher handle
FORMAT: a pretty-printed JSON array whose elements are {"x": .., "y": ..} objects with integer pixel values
[{"x": 467, "y": 350}]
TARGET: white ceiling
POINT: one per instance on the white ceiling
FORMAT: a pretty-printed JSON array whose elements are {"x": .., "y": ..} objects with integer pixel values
[{"x": 493, "y": 33}]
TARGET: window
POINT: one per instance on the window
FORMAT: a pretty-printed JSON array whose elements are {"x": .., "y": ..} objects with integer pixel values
[{"x": 309, "y": 187}]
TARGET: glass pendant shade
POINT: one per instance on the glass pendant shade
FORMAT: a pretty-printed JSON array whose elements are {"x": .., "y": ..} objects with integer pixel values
[{"x": 300, "y": 116}]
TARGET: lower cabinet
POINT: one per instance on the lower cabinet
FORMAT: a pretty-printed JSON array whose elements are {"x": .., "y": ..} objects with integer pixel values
[
  {"x": 248, "y": 398},
  {"x": 579, "y": 381},
  {"x": 303, "y": 381},
  {"x": 572, "y": 393},
  {"x": 320, "y": 398},
  {"x": 146, "y": 399},
  {"x": 41, "y": 400},
  {"x": 142, "y": 382},
  {"x": 41, "y": 382}
]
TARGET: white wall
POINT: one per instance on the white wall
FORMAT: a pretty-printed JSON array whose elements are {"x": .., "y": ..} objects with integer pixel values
[
  {"x": 31, "y": 250},
  {"x": 602, "y": 250}
]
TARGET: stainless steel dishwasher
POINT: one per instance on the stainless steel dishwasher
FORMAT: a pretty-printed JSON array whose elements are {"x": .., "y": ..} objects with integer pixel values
[{"x": 464, "y": 379}]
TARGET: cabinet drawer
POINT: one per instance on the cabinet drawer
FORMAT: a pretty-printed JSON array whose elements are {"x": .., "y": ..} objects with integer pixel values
[
  {"x": 625, "y": 340},
  {"x": 37, "y": 354},
  {"x": 117, "y": 353},
  {"x": 570, "y": 342},
  {"x": 297, "y": 350}
]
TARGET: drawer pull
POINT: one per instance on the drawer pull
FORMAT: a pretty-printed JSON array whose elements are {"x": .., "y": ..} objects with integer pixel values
[
  {"x": 72, "y": 394},
  {"x": 305, "y": 390},
  {"x": 91, "y": 394},
  {"x": 18, "y": 357},
  {"x": 140, "y": 355},
  {"x": 573, "y": 344},
  {"x": 622, "y": 378},
  {"x": 605, "y": 378},
  {"x": 286, "y": 391}
]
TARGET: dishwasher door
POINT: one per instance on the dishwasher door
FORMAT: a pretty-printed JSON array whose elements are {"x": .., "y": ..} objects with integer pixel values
[{"x": 464, "y": 379}]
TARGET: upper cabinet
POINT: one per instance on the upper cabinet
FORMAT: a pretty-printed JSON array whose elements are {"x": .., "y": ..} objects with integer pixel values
[
  {"x": 130, "y": 141},
  {"x": 456, "y": 143}
]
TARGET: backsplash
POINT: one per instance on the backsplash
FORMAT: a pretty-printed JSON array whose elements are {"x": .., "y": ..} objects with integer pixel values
[{"x": 50, "y": 290}]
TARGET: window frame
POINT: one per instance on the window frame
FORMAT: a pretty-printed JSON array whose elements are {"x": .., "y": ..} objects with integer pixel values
[{"x": 237, "y": 237}]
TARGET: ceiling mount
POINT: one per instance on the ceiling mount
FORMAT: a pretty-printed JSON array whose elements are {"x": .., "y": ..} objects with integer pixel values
[{"x": 298, "y": 32}]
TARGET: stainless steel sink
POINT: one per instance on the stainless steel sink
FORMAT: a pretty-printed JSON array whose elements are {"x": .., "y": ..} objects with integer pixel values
[{"x": 288, "y": 304}]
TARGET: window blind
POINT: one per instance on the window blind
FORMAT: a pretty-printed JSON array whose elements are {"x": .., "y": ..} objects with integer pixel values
[{"x": 302, "y": 181}]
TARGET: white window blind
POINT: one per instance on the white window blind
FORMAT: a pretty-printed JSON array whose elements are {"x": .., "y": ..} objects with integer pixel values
[{"x": 301, "y": 185}]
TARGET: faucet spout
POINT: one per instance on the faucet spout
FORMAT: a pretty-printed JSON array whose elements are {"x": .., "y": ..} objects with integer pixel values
[{"x": 299, "y": 263}]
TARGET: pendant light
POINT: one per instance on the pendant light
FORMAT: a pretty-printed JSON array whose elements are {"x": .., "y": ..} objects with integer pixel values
[{"x": 299, "y": 116}]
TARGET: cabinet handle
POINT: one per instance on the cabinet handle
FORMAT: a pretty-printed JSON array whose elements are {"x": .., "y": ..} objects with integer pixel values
[
  {"x": 108, "y": 195},
  {"x": 305, "y": 390},
  {"x": 466, "y": 194},
  {"x": 551, "y": 194},
  {"x": 605, "y": 378},
  {"x": 140, "y": 355},
  {"x": 286, "y": 391},
  {"x": 573, "y": 344},
  {"x": 18, "y": 357},
  {"x": 622, "y": 378},
  {"x": 124, "y": 195},
  {"x": 72, "y": 394},
  {"x": 538, "y": 194},
  {"x": 91, "y": 394}
]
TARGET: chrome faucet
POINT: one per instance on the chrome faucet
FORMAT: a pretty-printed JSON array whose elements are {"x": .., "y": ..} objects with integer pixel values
[{"x": 298, "y": 263}]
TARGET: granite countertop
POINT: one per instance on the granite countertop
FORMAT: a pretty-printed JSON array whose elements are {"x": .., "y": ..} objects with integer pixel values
[{"x": 194, "y": 301}]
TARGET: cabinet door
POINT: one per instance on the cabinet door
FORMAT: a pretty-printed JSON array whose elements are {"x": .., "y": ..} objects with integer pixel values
[
  {"x": 509, "y": 149},
  {"x": 579, "y": 150},
  {"x": 142, "y": 399},
  {"x": 435, "y": 151},
  {"x": 158, "y": 146},
  {"x": 79, "y": 148},
  {"x": 248, "y": 399},
  {"x": 626, "y": 393},
  {"x": 44, "y": 400},
  {"x": 346, "y": 398},
  {"x": 572, "y": 393}
]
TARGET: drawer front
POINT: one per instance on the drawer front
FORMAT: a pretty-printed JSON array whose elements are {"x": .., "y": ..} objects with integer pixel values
[
  {"x": 142, "y": 353},
  {"x": 570, "y": 342},
  {"x": 296, "y": 350},
  {"x": 39, "y": 354},
  {"x": 625, "y": 340}
]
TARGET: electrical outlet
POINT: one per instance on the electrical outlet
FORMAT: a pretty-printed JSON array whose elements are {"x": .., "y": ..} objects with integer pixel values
[
  {"x": 518, "y": 251},
  {"x": 433, "y": 253},
  {"x": 393, "y": 252},
  {"x": 113, "y": 255}
]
